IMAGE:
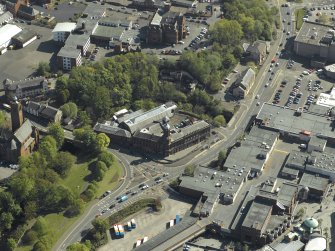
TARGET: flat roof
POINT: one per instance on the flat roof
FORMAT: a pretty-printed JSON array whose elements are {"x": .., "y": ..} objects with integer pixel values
[
  {"x": 69, "y": 52},
  {"x": 316, "y": 141},
  {"x": 109, "y": 32},
  {"x": 286, "y": 193},
  {"x": 246, "y": 156},
  {"x": 258, "y": 137},
  {"x": 64, "y": 27},
  {"x": 257, "y": 215},
  {"x": 284, "y": 119},
  {"x": 312, "y": 33},
  {"x": 314, "y": 181},
  {"x": 25, "y": 35},
  {"x": 204, "y": 180},
  {"x": 77, "y": 39},
  {"x": 290, "y": 171},
  {"x": 7, "y": 32},
  {"x": 156, "y": 19}
]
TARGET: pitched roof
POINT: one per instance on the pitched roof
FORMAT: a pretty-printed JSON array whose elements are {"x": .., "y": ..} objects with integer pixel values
[
  {"x": 24, "y": 131},
  {"x": 246, "y": 78},
  {"x": 28, "y": 10}
]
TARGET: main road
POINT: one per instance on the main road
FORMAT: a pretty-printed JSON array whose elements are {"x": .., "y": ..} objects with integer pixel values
[{"x": 249, "y": 108}]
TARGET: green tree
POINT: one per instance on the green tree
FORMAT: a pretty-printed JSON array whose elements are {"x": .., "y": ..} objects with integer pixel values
[
  {"x": 77, "y": 247},
  {"x": 57, "y": 132},
  {"x": 48, "y": 148},
  {"x": 40, "y": 226},
  {"x": 84, "y": 118},
  {"x": 43, "y": 69},
  {"x": 98, "y": 170},
  {"x": 30, "y": 237},
  {"x": 69, "y": 110},
  {"x": 189, "y": 170},
  {"x": 106, "y": 157},
  {"x": 30, "y": 210},
  {"x": 219, "y": 120},
  {"x": 227, "y": 32},
  {"x": 87, "y": 136},
  {"x": 222, "y": 157},
  {"x": 100, "y": 225},
  {"x": 102, "y": 141},
  {"x": 63, "y": 163},
  {"x": 21, "y": 186},
  {"x": 74, "y": 209},
  {"x": 11, "y": 244},
  {"x": 6, "y": 221}
]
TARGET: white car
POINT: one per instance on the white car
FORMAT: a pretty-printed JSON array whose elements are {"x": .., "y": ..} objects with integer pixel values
[
  {"x": 181, "y": 42},
  {"x": 257, "y": 96},
  {"x": 267, "y": 84}
]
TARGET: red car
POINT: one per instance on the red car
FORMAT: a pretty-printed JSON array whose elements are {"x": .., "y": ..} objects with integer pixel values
[{"x": 273, "y": 60}]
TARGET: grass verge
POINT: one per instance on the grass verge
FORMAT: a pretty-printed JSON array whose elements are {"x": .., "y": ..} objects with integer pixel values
[
  {"x": 76, "y": 181},
  {"x": 299, "y": 15},
  {"x": 129, "y": 210}
]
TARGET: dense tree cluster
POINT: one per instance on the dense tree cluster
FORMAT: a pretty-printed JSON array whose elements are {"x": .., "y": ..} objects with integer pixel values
[
  {"x": 132, "y": 81},
  {"x": 249, "y": 19},
  {"x": 37, "y": 189}
]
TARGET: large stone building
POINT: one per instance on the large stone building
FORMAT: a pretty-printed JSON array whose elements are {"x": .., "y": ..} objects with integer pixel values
[
  {"x": 21, "y": 140},
  {"x": 29, "y": 87},
  {"x": 167, "y": 28},
  {"x": 160, "y": 131},
  {"x": 316, "y": 41}
]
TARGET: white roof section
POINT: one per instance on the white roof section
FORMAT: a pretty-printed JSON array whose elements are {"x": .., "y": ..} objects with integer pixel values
[
  {"x": 156, "y": 20},
  {"x": 327, "y": 100},
  {"x": 64, "y": 27},
  {"x": 316, "y": 244},
  {"x": 330, "y": 68},
  {"x": 7, "y": 32}
]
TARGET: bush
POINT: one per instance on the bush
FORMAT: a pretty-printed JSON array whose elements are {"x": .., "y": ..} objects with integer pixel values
[
  {"x": 30, "y": 237},
  {"x": 106, "y": 158},
  {"x": 189, "y": 170}
]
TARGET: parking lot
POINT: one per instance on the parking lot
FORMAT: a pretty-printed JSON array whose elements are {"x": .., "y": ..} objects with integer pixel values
[
  {"x": 299, "y": 86},
  {"x": 149, "y": 223},
  {"x": 6, "y": 170},
  {"x": 314, "y": 14}
]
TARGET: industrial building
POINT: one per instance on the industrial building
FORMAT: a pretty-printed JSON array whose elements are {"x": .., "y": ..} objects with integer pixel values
[
  {"x": 211, "y": 187},
  {"x": 253, "y": 152},
  {"x": 316, "y": 41},
  {"x": 7, "y": 32},
  {"x": 161, "y": 130},
  {"x": 297, "y": 125},
  {"x": 24, "y": 38}
]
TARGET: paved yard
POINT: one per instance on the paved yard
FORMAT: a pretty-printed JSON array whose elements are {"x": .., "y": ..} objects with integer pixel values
[
  {"x": 21, "y": 63},
  {"x": 148, "y": 224}
]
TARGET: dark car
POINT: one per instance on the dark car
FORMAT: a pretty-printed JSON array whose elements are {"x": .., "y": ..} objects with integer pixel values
[{"x": 111, "y": 206}]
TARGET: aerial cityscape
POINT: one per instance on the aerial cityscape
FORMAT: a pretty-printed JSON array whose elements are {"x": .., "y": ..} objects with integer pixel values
[{"x": 184, "y": 125}]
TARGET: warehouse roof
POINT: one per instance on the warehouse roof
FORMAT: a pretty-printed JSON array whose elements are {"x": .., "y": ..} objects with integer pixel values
[
  {"x": 313, "y": 33},
  {"x": 313, "y": 181},
  {"x": 256, "y": 216},
  {"x": 7, "y": 32},
  {"x": 24, "y": 36},
  {"x": 113, "y": 33},
  {"x": 64, "y": 27},
  {"x": 287, "y": 120}
]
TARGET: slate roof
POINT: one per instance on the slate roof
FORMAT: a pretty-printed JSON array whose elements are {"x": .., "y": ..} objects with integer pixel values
[{"x": 24, "y": 132}]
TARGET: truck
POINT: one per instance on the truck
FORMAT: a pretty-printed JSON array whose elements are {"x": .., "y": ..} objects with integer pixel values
[
  {"x": 129, "y": 227},
  {"x": 116, "y": 230},
  {"x": 145, "y": 239},
  {"x": 123, "y": 198},
  {"x": 121, "y": 230},
  {"x": 171, "y": 223},
  {"x": 177, "y": 218},
  {"x": 133, "y": 223}
]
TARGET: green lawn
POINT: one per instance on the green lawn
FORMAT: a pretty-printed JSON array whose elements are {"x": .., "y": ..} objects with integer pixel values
[
  {"x": 75, "y": 180},
  {"x": 299, "y": 15}
]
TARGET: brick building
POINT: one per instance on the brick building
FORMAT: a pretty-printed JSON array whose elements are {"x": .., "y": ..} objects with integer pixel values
[{"x": 167, "y": 28}]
